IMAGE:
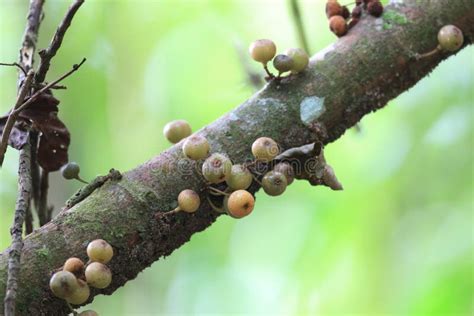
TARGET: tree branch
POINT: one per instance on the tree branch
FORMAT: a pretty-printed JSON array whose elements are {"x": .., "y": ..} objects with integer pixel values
[
  {"x": 22, "y": 205},
  {"x": 48, "y": 53},
  {"x": 359, "y": 74}
]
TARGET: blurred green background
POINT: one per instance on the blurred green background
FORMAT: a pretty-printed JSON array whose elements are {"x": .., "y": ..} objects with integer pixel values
[{"x": 397, "y": 241}]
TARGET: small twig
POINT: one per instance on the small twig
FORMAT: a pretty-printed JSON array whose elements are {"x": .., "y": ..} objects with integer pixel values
[
  {"x": 35, "y": 169},
  {"x": 87, "y": 190},
  {"x": 298, "y": 20},
  {"x": 33, "y": 98},
  {"x": 15, "y": 65},
  {"x": 29, "y": 221},
  {"x": 214, "y": 207},
  {"x": 43, "y": 198},
  {"x": 218, "y": 191},
  {"x": 270, "y": 75},
  {"x": 24, "y": 90},
  {"x": 47, "y": 54},
  {"x": 22, "y": 204}
]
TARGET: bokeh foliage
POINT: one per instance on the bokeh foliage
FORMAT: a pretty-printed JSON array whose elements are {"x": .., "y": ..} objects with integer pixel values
[{"x": 398, "y": 240}]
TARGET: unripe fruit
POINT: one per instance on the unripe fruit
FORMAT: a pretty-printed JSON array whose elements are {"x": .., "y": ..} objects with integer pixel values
[
  {"x": 175, "y": 131},
  {"x": 80, "y": 295},
  {"x": 239, "y": 204},
  {"x": 300, "y": 59},
  {"x": 262, "y": 50},
  {"x": 63, "y": 284},
  {"x": 274, "y": 183},
  {"x": 74, "y": 265},
  {"x": 345, "y": 13},
  {"x": 239, "y": 178},
  {"x": 282, "y": 63},
  {"x": 100, "y": 251},
  {"x": 287, "y": 170},
  {"x": 216, "y": 168},
  {"x": 375, "y": 8},
  {"x": 188, "y": 201},
  {"x": 333, "y": 8},
  {"x": 338, "y": 25},
  {"x": 450, "y": 38},
  {"x": 70, "y": 171},
  {"x": 88, "y": 312},
  {"x": 196, "y": 147},
  {"x": 98, "y": 275},
  {"x": 265, "y": 149},
  {"x": 357, "y": 12}
]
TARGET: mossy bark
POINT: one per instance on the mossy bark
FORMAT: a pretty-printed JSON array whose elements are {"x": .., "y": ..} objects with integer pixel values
[{"x": 359, "y": 74}]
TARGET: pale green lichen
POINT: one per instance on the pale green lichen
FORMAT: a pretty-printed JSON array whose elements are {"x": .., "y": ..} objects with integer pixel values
[
  {"x": 392, "y": 18},
  {"x": 311, "y": 108}
]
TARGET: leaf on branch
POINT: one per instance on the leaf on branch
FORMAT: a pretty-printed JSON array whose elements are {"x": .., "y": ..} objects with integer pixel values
[
  {"x": 42, "y": 115},
  {"x": 18, "y": 134},
  {"x": 55, "y": 138}
]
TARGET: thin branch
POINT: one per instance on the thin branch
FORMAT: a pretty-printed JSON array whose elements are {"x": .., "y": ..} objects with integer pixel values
[
  {"x": 35, "y": 169},
  {"x": 298, "y": 20},
  {"x": 22, "y": 205},
  {"x": 47, "y": 54},
  {"x": 43, "y": 199},
  {"x": 28, "y": 46},
  {"x": 15, "y": 65},
  {"x": 24, "y": 90},
  {"x": 33, "y": 98}
]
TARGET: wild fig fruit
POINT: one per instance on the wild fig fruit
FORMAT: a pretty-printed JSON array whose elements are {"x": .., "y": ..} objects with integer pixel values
[
  {"x": 239, "y": 204},
  {"x": 300, "y": 59},
  {"x": 265, "y": 149},
  {"x": 239, "y": 178},
  {"x": 338, "y": 25},
  {"x": 98, "y": 275},
  {"x": 216, "y": 168},
  {"x": 196, "y": 147},
  {"x": 282, "y": 63},
  {"x": 262, "y": 50},
  {"x": 63, "y": 284},
  {"x": 177, "y": 130},
  {"x": 450, "y": 38},
  {"x": 80, "y": 295},
  {"x": 74, "y": 265},
  {"x": 100, "y": 251},
  {"x": 274, "y": 183},
  {"x": 188, "y": 201},
  {"x": 287, "y": 170}
]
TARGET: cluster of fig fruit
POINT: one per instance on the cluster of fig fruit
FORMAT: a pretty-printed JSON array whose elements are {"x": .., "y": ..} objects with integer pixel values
[
  {"x": 341, "y": 19},
  {"x": 72, "y": 282},
  {"x": 218, "y": 169},
  {"x": 294, "y": 60}
]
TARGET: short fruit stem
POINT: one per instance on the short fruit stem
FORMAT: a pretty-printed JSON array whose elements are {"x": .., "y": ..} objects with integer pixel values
[
  {"x": 215, "y": 208},
  {"x": 81, "y": 180},
  {"x": 268, "y": 71},
  {"x": 218, "y": 191},
  {"x": 428, "y": 54}
]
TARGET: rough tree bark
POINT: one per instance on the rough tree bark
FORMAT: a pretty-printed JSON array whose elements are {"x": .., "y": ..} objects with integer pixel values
[{"x": 359, "y": 74}]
